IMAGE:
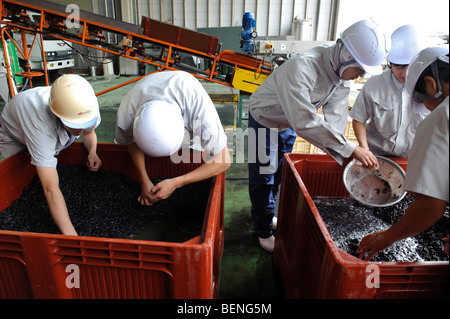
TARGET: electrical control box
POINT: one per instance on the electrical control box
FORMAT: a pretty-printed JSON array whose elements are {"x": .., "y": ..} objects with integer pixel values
[
  {"x": 289, "y": 48},
  {"x": 265, "y": 47}
]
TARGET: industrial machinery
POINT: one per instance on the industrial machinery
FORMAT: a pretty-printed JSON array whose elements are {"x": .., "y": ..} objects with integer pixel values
[
  {"x": 248, "y": 33},
  {"x": 279, "y": 46},
  {"x": 11, "y": 55},
  {"x": 154, "y": 43},
  {"x": 58, "y": 54}
]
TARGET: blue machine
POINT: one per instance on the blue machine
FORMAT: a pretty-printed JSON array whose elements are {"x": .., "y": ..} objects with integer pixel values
[{"x": 248, "y": 33}]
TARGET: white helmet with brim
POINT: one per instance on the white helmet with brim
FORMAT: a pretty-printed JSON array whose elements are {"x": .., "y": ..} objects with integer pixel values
[
  {"x": 407, "y": 42},
  {"x": 368, "y": 45}
]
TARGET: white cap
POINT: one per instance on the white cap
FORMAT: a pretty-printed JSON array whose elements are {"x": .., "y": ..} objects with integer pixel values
[
  {"x": 158, "y": 128},
  {"x": 73, "y": 100},
  {"x": 419, "y": 63},
  {"x": 368, "y": 44}
]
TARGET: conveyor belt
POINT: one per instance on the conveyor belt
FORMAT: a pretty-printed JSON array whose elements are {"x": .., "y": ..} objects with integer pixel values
[
  {"x": 170, "y": 40},
  {"x": 59, "y": 9},
  {"x": 151, "y": 28}
]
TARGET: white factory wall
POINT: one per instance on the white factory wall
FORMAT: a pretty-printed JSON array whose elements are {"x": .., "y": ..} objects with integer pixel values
[{"x": 274, "y": 17}]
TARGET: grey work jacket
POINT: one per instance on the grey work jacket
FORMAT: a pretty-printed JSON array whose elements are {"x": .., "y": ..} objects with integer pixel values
[{"x": 290, "y": 96}]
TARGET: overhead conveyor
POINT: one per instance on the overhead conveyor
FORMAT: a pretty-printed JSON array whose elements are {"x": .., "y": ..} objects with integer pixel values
[{"x": 167, "y": 43}]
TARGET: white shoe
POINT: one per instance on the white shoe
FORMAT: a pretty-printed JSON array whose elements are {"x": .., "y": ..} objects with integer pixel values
[
  {"x": 267, "y": 243},
  {"x": 274, "y": 223}
]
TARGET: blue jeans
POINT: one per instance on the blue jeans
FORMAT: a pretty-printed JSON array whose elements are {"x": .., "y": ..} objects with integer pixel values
[{"x": 263, "y": 188}]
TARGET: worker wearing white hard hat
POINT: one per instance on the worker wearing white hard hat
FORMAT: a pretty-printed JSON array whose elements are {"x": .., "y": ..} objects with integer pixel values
[
  {"x": 163, "y": 114},
  {"x": 158, "y": 128},
  {"x": 383, "y": 121},
  {"x": 287, "y": 101},
  {"x": 367, "y": 44},
  {"x": 46, "y": 120},
  {"x": 427, "y": 177}
]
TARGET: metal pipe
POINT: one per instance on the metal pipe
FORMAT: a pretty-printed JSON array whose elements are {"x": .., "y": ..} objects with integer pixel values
[
  {"x": 196, "y": 14},
  {"x": 207, "y": 12},
  {"x": 306, "y": 9},
  {"x": 185, "y": 13},
  {"x": 330, "y": 19},
  {"x": 268, "y": 17},
  {"x": 317, "y": 19},
  {"x": 151, "y": 10},
  {"x": 44, "y": 62},
  {"x": 7, "y": 63},
  {"x": 173, "y": 12},
  {"x": 281, "y": 15},
  {"x": 120, "y": 85},
  {"x": 293, "y": 13},
  {"x": 139, "y": 14},
  {"x": 233, "y": 13},
  {"x": 333, "y": 20},
  {"x": 220, "y": 13},
  {"x": 256, "y": 16}
]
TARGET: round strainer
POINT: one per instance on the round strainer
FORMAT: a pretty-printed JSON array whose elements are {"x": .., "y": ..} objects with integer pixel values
[{"x": 375, "y": 187}]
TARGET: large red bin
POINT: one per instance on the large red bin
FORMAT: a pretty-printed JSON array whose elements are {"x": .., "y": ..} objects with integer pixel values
[
  {"x": 35, "y": 265},
  {"x": 309, "y": 262}
]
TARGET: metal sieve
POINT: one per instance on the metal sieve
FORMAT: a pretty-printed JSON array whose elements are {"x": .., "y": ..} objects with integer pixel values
[{"x": 375, "y": 187}]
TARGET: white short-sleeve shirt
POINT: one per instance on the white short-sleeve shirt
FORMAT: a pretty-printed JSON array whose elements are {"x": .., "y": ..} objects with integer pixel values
[
  {"x": 428, "y": 164},
  {"x": 27, "y": 121},
  {"x": 201, "y": 120}
]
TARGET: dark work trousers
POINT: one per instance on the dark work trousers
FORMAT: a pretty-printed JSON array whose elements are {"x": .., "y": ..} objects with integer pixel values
[{"x": 263, "y": 187}]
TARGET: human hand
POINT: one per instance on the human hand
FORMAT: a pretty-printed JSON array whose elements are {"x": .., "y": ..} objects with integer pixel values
[
  {"x": 145, "y": 198},
  {"x": 373, "y": 243},
  {"x": 365, "y": 156},
  {"x": 163, "y": 189},
  {"x": 94, "y": 162}
]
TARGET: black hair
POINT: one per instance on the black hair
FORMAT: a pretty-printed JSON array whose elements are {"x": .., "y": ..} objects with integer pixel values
[{"x": 443, "y": 75}]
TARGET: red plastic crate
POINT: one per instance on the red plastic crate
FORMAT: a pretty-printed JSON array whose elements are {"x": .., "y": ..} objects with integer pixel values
[
  {"x": 33, "y": 265},
  {"x": 311, "y": 265}
]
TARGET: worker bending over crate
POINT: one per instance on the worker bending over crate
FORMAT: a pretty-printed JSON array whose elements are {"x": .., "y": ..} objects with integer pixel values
[
  {"x": 166, "y": 112},
  {"x": 46, "y": 120}
]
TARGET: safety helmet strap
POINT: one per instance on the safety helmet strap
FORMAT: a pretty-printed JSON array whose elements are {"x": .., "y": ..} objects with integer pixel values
[
  {"x": 341, "y": 64},
  {"x": 434, "y": 69}
]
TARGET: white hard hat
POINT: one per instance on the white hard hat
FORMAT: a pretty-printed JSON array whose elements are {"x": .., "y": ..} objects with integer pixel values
[
  {"x": 158, "y": 128},
  {"x": 368, "y": 45},
  {"x": 73, "y": 100},
  {"x": 419, "y": 63},
  {"x": 406, "y": 44}
]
